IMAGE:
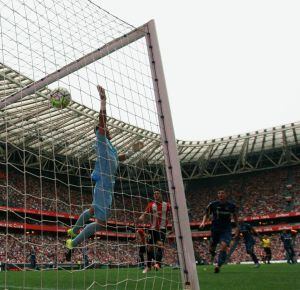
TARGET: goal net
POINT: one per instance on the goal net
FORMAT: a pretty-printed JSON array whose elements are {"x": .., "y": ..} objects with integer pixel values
[{"x": 48, "y": 155}]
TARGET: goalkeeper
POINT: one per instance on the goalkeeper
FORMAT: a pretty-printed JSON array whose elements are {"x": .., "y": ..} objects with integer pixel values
[{"x": 104, "y": 175}]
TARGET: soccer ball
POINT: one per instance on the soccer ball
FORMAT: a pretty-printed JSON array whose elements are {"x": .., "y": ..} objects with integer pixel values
[{"x": 60, "y": 98}]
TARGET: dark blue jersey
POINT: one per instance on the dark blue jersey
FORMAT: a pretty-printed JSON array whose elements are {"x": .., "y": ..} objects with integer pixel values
[
  {"x": 221, "y": 214},
  {"x": 246, "y": 231},
  {"x": 287, "y": 239}
]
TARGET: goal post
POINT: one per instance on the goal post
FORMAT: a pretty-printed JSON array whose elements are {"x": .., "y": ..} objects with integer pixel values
[{"x": 175, "y": 182}]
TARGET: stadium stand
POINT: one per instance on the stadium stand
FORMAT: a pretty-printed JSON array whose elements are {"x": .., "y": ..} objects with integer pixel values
[{"x": 257, "y": 194}]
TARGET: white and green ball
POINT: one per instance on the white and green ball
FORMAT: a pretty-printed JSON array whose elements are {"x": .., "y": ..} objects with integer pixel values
[{"x": 60, "y": 98}]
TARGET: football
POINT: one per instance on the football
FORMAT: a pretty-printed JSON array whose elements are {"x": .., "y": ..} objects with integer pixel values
[{"x": 60, "y": 98}]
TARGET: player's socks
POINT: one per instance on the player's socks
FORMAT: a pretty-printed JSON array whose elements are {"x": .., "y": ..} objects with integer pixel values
[
  {"x": 88, "y": 231},
  {"x": 212, "y": 258},
  {"x": 68, "y": 255},
  {"x": 83, "y": 219},
  {"x": 222, "y": 258},
  {"x": 147, "y": 269},
  {"x": 150, "y": 257},
  {"x": 142, "y": 260},
  {"x": 159, "y": 256},
  {"x": 213, "y": 255},
  {"x": 254, "y": 258}
]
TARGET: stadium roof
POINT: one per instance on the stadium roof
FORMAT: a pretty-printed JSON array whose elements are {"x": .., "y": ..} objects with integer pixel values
[
  {"x": 262, "y": 140},
  {"x": 33, "y": 123}
]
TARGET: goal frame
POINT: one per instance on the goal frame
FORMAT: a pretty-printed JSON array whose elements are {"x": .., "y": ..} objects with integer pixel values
[{"x": 175, "y": 183}]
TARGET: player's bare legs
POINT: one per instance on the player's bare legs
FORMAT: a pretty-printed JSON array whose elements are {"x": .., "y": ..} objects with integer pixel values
[{"x": 150, "y": 256}]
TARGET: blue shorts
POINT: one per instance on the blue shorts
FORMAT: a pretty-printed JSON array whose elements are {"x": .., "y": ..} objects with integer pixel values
[
  {"x": 249, "y": 246},
  {"x": 289, "y": 248},
  {"x": 102, "y": 200},
  {"x": 218, "y": 236}
]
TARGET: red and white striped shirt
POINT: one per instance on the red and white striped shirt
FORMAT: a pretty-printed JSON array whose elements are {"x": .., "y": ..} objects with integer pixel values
[{"x": 159, "y": 214}]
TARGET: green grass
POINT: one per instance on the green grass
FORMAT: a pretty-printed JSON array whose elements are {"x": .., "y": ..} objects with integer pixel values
[{"x": 232, "y": 277}]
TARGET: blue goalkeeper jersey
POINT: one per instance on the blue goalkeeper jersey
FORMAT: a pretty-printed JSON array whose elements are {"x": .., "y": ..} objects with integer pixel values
[{"x": 106, "y": 163}]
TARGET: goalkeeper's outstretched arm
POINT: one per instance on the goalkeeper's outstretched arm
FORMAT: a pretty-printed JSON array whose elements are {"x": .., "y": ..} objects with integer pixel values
[
  {"x": 103, "y": 130},
  {"x": 102, "y": 125}
]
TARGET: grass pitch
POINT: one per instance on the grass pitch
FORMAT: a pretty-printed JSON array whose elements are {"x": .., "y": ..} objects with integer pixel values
[{"x": 231, "y": 277}]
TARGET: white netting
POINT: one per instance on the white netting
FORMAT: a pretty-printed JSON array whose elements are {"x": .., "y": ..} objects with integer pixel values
[{"x": 47, "y": 154}]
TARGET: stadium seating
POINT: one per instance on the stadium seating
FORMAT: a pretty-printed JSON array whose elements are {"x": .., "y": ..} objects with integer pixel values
[{"x": 256, "y": 194}]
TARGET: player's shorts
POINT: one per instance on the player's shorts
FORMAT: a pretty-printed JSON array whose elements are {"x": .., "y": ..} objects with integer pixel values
[
  {"x": 249, "y": 246},
  {"x": 155, "y": 236},
  {"x": 102, "y": 200},
  {"x": 142, "y": 250},
  {"x": 289, "y": 248},
  {"x": 267, "y": 251},
  {"x": 218, "y": 236}
]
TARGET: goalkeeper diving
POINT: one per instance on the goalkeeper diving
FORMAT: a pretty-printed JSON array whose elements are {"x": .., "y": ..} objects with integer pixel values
[{"x": 104, "y": 175}]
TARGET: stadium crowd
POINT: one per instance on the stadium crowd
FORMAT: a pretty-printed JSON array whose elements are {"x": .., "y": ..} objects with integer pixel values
[
  {"x": 260, "y": 193},
  {"x": 255, "y": 194},
  {"x": 50, "y": 249},
  {"x": 47, "y": 195}
]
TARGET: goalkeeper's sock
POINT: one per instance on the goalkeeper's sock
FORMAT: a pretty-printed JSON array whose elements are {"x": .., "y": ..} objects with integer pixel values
[
  {"x": 88, "y": 231},
  {"x": 83, "y": 219}
]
